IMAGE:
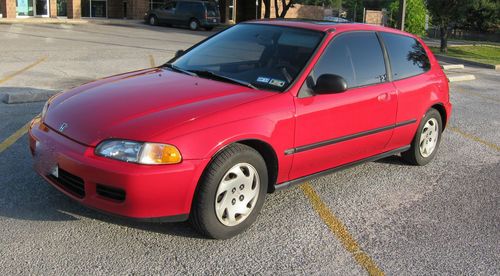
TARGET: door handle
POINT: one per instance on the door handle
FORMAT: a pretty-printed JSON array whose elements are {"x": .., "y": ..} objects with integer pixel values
[{"x": 385, "y": 97}]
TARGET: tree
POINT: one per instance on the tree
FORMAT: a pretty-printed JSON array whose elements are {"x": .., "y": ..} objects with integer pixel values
[
  {"x": 285, "y": 6},
  {"x": 267, "y": 8},
  {"x": 354, "y": 9},
  {"x": 445, "y": 14},
  {"x": 482, "y": 16},
  {"x": 415, "y": 16}
]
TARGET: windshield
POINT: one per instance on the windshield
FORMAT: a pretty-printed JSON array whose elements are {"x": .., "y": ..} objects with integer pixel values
[{"x": 267, "y": 57}]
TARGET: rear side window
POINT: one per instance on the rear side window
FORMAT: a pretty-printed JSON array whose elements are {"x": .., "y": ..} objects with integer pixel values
[
  {"x": 189, "y": 7},
  {"x": 407, "y": 56},
  {"x": 357, "y": 57}
]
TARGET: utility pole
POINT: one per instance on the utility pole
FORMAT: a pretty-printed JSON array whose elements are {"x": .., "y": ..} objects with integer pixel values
[{"x": 402, "y": 13}]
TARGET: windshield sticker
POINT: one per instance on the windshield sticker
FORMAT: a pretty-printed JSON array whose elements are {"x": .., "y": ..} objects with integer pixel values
[
  {"x": 276, "y": 82},
  {"x": 263, "y": 79}
]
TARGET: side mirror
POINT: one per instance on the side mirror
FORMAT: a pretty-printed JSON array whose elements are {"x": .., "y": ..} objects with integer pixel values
[
  {"x": 179, "y": 53},
  {"x": 329, "y": 84}
]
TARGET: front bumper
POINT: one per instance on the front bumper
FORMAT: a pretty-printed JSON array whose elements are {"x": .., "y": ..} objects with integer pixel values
[{"x": 162, "y": 193}]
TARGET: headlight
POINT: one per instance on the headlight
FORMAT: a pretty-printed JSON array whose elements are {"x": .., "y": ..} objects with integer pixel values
[
  {"x": 138, "y": 152},
  {"x": 44, "y": 110}
]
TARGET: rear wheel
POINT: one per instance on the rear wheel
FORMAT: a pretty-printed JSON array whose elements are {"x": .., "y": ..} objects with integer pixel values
[
  {"x": 426, "y": 141},
  {"x": 231, "y": 193},
  {"x": 193, "y": 24}
]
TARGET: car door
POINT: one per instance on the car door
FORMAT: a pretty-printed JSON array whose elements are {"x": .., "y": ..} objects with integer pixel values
[
  {"x": 166, "y": 13},
  {"x": 339, "y": 128},
  {"x": 183, "y": 12}
]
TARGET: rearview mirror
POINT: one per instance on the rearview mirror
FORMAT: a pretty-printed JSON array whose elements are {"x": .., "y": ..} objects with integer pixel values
[{"x": 329, "y": 84}]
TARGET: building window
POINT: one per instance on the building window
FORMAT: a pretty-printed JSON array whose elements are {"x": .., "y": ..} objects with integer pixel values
[
  {"x": 231, "y": 10},
  {"x": 24, "y": 7},
  {"x": 94, "y": 8},
  {"x": 62, "y": 8},
  {"x": 155, "y": 4}
]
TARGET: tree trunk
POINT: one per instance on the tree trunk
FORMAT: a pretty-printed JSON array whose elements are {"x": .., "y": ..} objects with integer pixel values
[
  {"x": 443, "y": 29},
  {"x": 276, "y": 10},
  {"x": 267, "y": 8},
  {"x": 286, "y": 7}
]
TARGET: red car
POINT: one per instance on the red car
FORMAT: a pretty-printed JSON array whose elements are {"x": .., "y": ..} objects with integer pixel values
[{"x": 256, "y": 108}]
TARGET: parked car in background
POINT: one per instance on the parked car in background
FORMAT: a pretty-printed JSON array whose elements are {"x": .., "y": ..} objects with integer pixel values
[
  {"x": 194, "y": 14},
  {"x": 336, "y": 19},
  {"x": 258, "y": 107}
]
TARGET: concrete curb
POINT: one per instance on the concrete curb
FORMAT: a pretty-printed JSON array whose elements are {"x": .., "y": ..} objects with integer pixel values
[
  {"x": 458, "y": 78},
  {"x": 26, "y": 97},
  {"x": 467, "y": 62},
  {"x": 452, "y": 66}
]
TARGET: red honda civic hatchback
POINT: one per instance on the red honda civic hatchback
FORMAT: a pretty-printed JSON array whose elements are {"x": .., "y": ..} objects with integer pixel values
[{"x": 259, "y": 107}]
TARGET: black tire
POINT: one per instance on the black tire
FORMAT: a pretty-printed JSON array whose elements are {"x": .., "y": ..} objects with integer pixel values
[
  {"x": 414, "y": 156},
  {"x": 203, "y": 215},
  {"x": 153, "y": 20},
  {"x": 194, "y": 24}
]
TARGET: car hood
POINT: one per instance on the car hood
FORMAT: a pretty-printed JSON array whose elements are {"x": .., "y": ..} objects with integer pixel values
[{"x": 140, "y": 105}]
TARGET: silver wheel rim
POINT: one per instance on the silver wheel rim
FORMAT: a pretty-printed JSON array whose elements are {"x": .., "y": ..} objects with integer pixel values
[
  {"x": 429, "y": 137},
  {"x": 152, "y": 21},
  {"x": 193, "y": 25},
  {"x": 237, "y": 194}
]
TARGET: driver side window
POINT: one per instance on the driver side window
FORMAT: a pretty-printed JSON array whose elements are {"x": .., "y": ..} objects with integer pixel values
[
  {"x": 356, "y": 56},
  {"x": 170, "y": 6}
]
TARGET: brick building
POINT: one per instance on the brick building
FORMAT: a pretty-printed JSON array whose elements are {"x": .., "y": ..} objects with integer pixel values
[
  {"x": 232, "y": 11},
  {"x": 74, "y": 8}
]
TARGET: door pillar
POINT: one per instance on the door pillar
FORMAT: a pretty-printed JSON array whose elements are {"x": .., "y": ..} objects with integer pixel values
[
  {"x": 8, "y": 8},
  {"x": 53, "y": 8},
  {"x": 74, "y": 9}
]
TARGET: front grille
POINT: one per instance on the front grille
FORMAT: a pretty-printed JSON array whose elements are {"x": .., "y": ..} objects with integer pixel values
[
  {"x": 110, "y": 193},
  {"x": 70, "y": 183}
]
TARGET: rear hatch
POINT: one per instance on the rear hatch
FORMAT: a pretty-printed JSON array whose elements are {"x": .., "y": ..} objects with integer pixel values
[{"x": 212, "y": 11}]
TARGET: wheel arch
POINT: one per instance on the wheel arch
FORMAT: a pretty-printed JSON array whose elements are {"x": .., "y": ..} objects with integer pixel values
[
  {"x": 269, "y": 154},
  {"x": 442, "y": 111},
  {"x": 265, "y": 150}
]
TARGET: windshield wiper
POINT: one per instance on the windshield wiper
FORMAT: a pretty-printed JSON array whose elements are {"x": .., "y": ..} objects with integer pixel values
[
  {"x": 210, "y": 74},
  {"x": 178, "y": 69}
]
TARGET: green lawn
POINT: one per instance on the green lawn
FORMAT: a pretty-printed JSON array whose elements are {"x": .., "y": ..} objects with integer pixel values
[{"x": 484, "y": 54}]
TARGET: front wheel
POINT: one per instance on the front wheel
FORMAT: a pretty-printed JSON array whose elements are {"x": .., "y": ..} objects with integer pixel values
[
  {"x": 426, "y": 141},
  {"x": 231, "y": 193},
  {"x": 153, "y": 20}
]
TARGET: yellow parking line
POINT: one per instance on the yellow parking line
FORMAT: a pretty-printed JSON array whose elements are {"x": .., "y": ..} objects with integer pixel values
[
  {"x": 340, "y": 230},
  {"x": 152, "y": 61},
  {"x": 474, "y": 138},
  {"x": 8, "y": 77},
  {"x": 14, "y": 137}
]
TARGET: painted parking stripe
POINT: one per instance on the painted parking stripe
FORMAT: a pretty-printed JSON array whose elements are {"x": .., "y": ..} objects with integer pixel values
[
  {"x": 152, "y": 61},
  {"x": 340, "y": 231},
  {"x": 474, "y": 138},
  {"x": 14, "y": 137},
  {"x": 8, "y": 77}
]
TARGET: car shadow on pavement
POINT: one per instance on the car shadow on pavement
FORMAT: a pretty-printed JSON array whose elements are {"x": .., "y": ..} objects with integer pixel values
[
  {"x": 26, "y": 196},
  {"x": 392, "y": 160}
]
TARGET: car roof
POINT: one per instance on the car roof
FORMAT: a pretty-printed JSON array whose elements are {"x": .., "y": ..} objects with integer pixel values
[{"x": 326, "y": 26}]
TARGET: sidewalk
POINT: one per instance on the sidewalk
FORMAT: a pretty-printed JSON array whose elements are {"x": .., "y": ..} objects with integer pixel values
[{"x": 64, "y": 20}]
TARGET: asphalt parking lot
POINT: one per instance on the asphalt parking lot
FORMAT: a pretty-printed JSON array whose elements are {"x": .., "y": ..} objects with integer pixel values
[{"x": 380, "y": 217}]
